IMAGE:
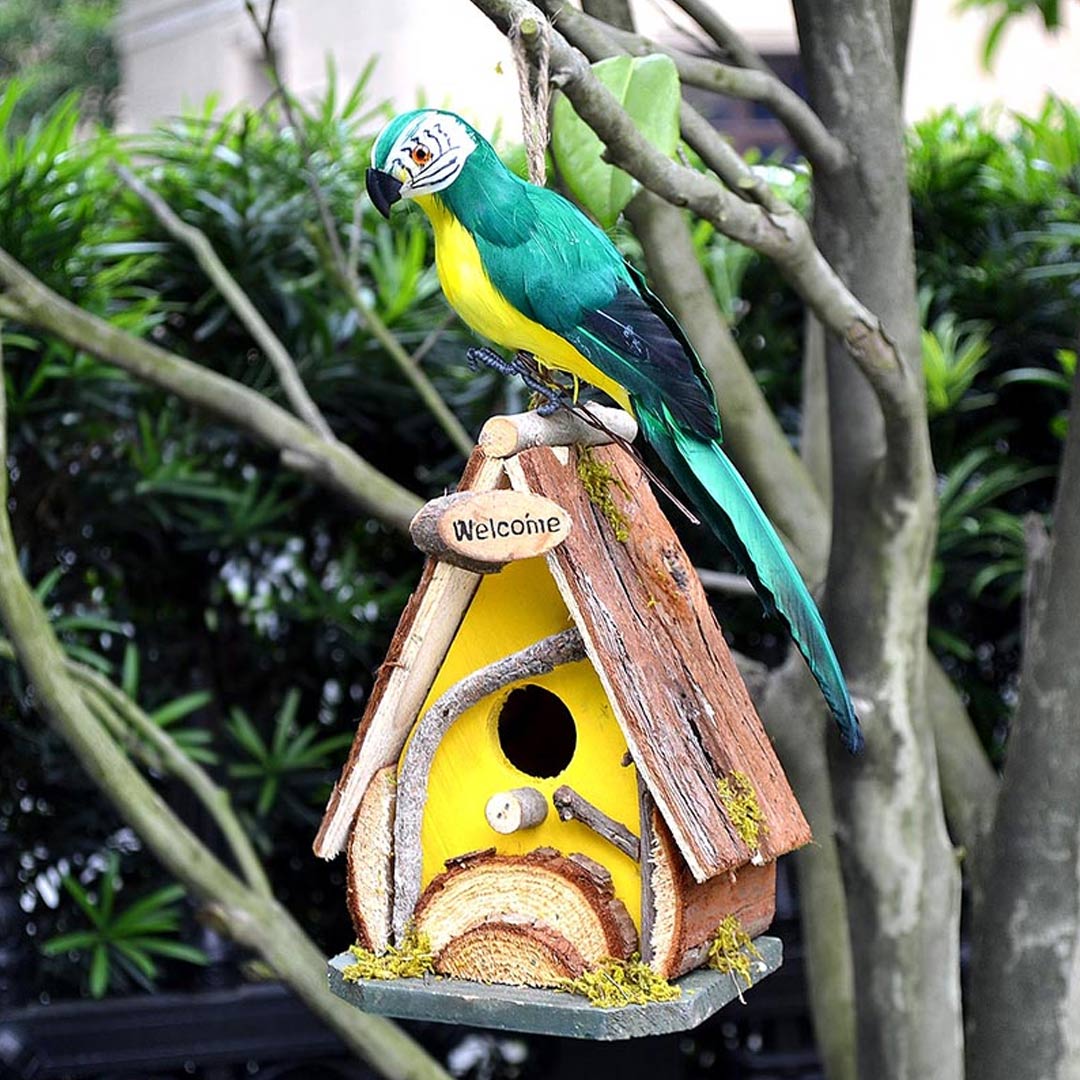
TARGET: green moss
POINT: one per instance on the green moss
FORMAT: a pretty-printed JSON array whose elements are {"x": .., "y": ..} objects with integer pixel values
[
  {"x": 615, "y": 983},
  {"x": 740, "y": 802},
  {"x": 412, "y": 959},
  {"x": 596, "y": 477},
  {"x": 732, "y": 951}
]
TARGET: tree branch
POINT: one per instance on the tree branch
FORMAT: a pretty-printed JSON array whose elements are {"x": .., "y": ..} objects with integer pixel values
[
  {"x": 342, "y": 267},
  {"x": 969, "y": 785},
  {"x": 173, "y": 760},
  {"x": 796, "y": 722},
  {"x": 596, "y": 39},
  {"x": 784, "y": 237},
  {"x": 571, "y": 806},
  {"x": 1027, "y": 936},
  {"x": 723, "y": 33},
  {"x": 331, "y": 464},
  {"x": 207, "y": 258},
  {"x": 257, "y": 921}
]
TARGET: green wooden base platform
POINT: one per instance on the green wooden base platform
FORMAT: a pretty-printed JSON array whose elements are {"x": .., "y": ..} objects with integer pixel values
[{"x": 547, "y": 1012}]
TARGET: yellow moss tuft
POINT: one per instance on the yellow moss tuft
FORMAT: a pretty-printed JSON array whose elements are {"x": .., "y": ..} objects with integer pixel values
[
  {"x": 615, "y": 983},
  {"x": 732, "y": 951},
  {"x": 741, "y": 804},
  {"x": 412, "y": 959},
  {"x": 596, "y": 477}
]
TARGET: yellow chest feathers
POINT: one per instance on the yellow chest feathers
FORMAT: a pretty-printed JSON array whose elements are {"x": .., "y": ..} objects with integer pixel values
[{"x": 470, "y": 293}]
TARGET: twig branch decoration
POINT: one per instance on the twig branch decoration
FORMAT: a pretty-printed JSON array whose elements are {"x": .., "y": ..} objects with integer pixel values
[
  {"x": 332, "y": 464},
  {"x": 207, "y": 258}
]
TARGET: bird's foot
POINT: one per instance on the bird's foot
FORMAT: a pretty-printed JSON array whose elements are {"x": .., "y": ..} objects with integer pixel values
[
  {"x": 480, "y": 356},
  {"x": 552, "y": 397}
]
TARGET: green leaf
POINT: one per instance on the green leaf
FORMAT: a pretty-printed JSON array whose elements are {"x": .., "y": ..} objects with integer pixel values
[
  {"x": 180, "y": 707},
  {"x": 176, "y": 950},
  {"x": 99, "y": 972},
  {"x": 647, "y": 87},
  {"x": 139, "y": 958},
  {"x": 948, "y": 642},
  {"x": 46, "y": 585},
  {"x": 78, "y": 894},
  {"x": 129, "y": 672},
  {"x": 76, "y": 941}
]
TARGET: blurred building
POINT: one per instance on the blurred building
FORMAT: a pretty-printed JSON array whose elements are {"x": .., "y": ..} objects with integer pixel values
[{"x": 177, "y": 52}]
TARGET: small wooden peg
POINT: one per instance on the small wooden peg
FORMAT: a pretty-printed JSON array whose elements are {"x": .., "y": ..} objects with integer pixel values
[{"x": 520, "y": 808}]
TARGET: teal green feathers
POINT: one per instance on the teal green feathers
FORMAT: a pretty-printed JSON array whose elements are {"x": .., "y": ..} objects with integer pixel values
[
  {"x": 545, "y": 269},
  {"x": 729, "y": 508}
]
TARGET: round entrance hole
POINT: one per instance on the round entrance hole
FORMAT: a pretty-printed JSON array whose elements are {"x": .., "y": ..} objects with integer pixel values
[{"x": 536, "y": 731}]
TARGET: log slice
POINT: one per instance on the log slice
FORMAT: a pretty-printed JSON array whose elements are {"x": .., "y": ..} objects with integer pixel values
[
  {"x": 543, "y": 908},
  {"x": 369, "y": 862},
  {"x": 511, "y": 950}
]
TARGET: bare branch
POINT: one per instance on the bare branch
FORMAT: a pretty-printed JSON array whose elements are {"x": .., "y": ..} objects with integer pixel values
[
  {"x": 205, "y": 255},
  {"x": 784, "y": 237},
  {"x": 1027, "y": 939},
  {"x": 723, "y": 33},
  {"x": 342, "y": 267},
  {"x": 333, "y": 465},
  {"x": 715, "y": 151},
  {"x": 256, "y": 921},
  {"x": 726, "y": 584},
  {"x": 969, "y": 785},
  {"x": 173, "y": 760},
  {"x": 574, "y": 807},
  {"x": 822, "y": 149}
]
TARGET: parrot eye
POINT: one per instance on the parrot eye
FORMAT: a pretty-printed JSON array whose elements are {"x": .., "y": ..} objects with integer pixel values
[{"x": 420, "y": 154}]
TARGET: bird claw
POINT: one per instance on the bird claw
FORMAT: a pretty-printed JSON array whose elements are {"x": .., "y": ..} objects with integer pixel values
[{"x": 480, "y": 356}]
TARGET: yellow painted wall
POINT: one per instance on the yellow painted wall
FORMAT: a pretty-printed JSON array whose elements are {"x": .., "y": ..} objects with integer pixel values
[{"x": 511, "y": 610}]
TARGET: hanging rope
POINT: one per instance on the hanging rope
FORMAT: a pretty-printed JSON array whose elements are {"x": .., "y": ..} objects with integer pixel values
[{"x": 530, "y": 40}]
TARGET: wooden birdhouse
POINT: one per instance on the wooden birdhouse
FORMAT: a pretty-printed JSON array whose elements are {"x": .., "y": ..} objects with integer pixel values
[{"x": 559, "y": 763}]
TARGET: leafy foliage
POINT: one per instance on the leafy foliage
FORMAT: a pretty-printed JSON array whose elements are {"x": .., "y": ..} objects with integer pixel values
[
  {"x": 289, "y": 761},
  {"x": 647, "y": 87},
  {"x": 57, "y": 47},
  {"x": 1005, "y": 11},
  {"x": 123, "y": 945},
  {"x": 176, "y": 555}
]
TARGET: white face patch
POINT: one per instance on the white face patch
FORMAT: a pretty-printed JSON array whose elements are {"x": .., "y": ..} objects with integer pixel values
[{"x": 430, "y": 154}]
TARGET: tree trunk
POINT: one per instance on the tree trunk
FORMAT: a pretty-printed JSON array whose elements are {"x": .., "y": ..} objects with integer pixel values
[
  {"x": 902, "y": 879},
  {"x": 1026, "y": 987}
]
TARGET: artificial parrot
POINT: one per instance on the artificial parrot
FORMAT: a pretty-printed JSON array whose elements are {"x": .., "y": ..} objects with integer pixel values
[{"x": 526, "y": 269}]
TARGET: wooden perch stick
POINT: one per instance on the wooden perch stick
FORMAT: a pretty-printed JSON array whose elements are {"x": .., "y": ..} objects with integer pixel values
[
  {"x": 570, "y": 805},
  {"x": 520, "y": 808},
  {"x": 505, "y": 436},
  {"x": 537, "y": 659}
]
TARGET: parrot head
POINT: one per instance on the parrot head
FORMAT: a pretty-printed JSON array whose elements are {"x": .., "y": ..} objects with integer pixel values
[{"x": 418, "y": 153}]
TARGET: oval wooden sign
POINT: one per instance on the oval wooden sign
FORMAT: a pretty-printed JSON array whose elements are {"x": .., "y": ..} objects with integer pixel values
[{"x": 484, "y": 530}]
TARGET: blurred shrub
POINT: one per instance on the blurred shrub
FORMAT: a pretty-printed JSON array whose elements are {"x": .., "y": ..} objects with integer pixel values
[
  {"x": 55, "y": 47},
  {"x": 243, "y": 606}
]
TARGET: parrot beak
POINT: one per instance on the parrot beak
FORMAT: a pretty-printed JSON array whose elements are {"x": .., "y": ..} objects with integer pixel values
[{"x": 384, "y": 189}]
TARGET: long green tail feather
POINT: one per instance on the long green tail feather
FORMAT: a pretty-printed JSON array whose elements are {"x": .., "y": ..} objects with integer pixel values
[{"x": 729, "y": 508}]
